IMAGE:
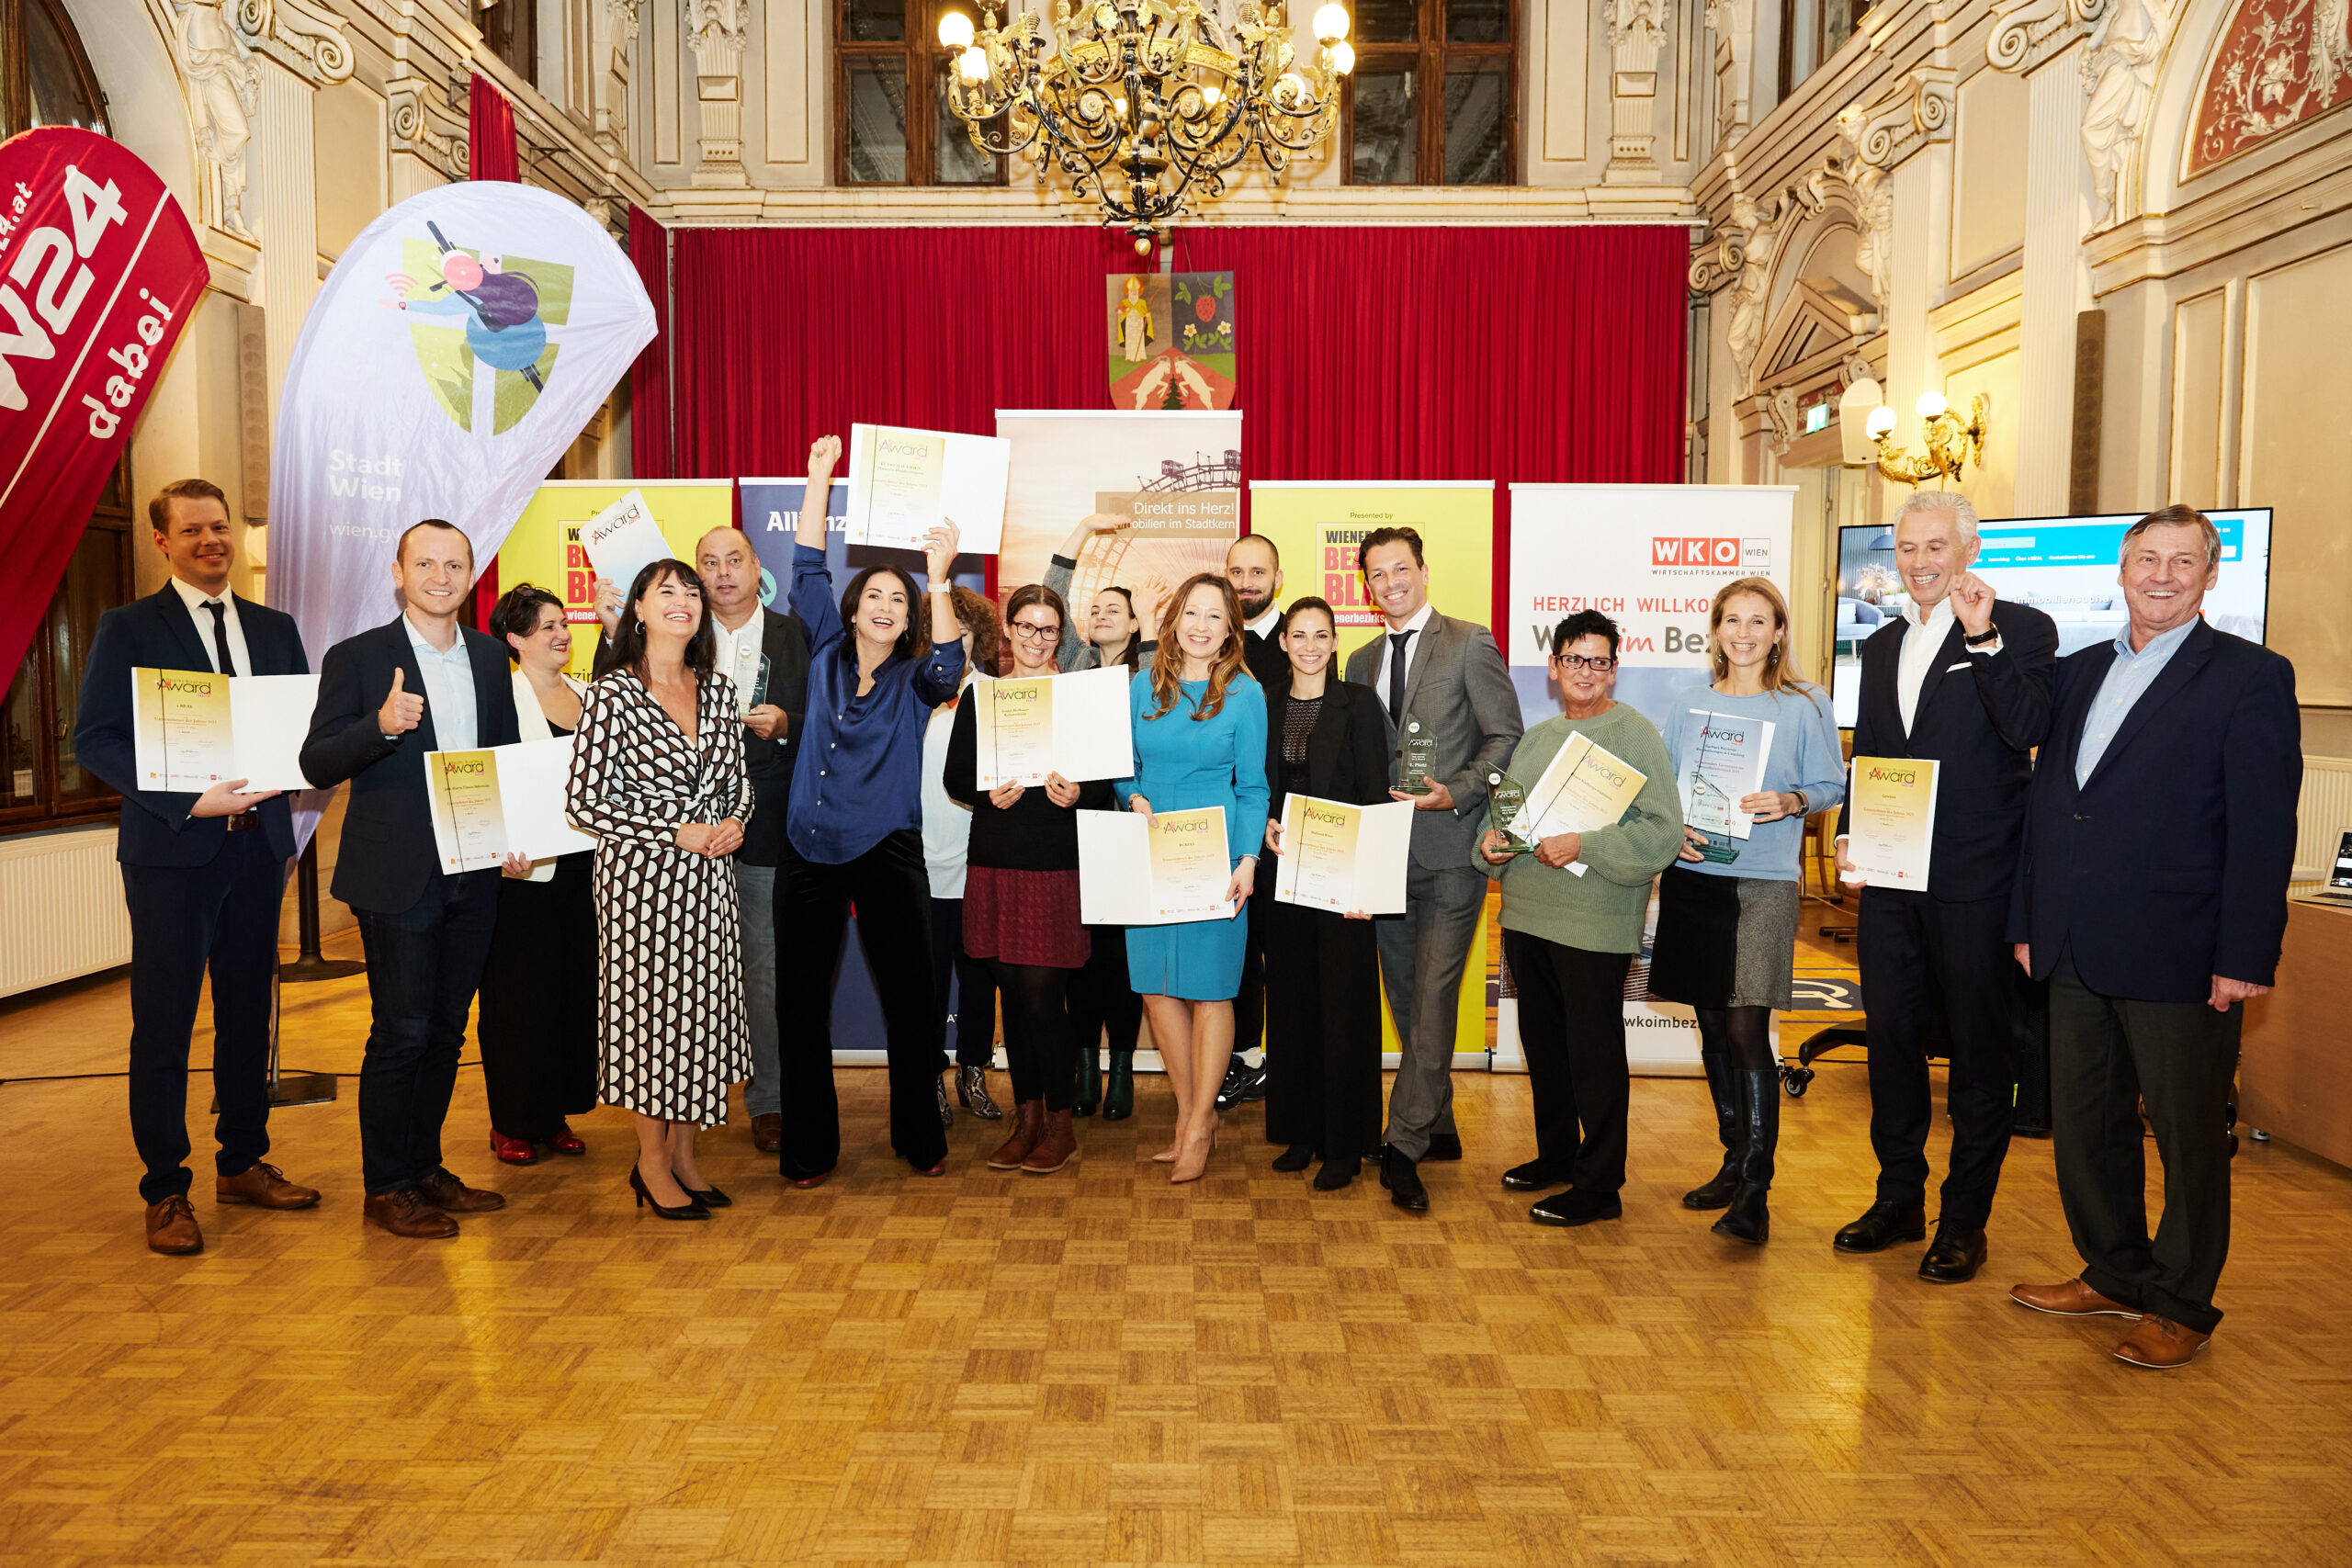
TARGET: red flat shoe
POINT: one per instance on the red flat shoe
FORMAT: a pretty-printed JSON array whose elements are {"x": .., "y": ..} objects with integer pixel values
[
  {"x": 806, "y": 1181},
  {"x": 939, "y": 1169},
  {"x": 567, "y": 1141},
  {"x": 512, "y": 1151}
]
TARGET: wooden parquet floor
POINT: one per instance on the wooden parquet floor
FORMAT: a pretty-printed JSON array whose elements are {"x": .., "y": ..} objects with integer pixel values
[{"x": 1097, "y": 1369}]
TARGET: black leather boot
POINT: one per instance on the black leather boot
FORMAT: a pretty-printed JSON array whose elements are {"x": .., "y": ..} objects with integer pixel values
[
  {"x": 1119, "y": 1094},
  {"x": 1759, "y": 1115},
  {"x": 1715, "y": 1191},
  {"x": 1090, "y": 1082}
]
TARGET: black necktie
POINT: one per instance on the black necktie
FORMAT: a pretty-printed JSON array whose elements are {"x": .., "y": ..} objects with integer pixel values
[
  {"x": 221, "y": 636},
  {"x": 1397, "y": 642}
]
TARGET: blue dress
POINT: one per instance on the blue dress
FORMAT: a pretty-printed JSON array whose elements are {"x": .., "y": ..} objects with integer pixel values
[{"x": 1188, "y": 764}]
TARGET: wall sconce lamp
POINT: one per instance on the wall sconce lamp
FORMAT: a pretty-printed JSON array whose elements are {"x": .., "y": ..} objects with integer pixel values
[{"x": 1948, "y": 446}]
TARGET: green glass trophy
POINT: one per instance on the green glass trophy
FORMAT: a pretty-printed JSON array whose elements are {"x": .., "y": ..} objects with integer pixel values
[
  {"x": 1505, "y": 797},
  {"x": 1417, "y": 759}
]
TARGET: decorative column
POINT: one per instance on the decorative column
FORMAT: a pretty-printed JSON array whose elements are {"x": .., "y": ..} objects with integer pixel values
[
  {"x": 715, "y": 31},
  {"x": 2057, "y": 281},
  {"x": 614, "y": 26},
  {"x": 1637, "y": 29}
]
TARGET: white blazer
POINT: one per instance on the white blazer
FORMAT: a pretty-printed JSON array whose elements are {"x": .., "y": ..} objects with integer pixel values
[{"x": 530, "y": 724}]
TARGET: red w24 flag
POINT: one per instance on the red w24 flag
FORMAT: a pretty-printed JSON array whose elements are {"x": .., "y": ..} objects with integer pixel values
[{"x": 99, "y": 271}]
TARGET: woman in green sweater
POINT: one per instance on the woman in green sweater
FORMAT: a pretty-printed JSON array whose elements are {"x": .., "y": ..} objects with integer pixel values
[{"x": 1570, "y": 939}]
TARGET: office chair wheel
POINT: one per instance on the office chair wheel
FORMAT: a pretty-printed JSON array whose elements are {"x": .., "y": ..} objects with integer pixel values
[
  {"x": 1796, "y": 1080},
  {"x": 2258, "y": 1135}
]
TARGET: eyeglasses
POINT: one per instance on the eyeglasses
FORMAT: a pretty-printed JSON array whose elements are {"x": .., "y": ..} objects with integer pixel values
[
  {"x": 1029, "y": 631},
  {"x": 1599, "y": 663}
]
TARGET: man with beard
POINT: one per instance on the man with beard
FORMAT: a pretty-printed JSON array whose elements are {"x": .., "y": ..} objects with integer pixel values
[{"x": 1254, "y": 567}]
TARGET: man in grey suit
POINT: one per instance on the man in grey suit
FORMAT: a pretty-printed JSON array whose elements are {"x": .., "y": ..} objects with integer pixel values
[{"x": 1444, "y": 680}]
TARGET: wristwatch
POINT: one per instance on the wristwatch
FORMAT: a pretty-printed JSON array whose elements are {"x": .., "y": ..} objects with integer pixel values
[{"x": 1990, "y": 634}]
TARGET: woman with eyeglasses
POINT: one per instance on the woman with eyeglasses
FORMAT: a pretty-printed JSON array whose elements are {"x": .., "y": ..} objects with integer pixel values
[
  {"x": 1021, "y": 902},
  {"x": 1569, "y": 938},
  {"x": 1727, "y": 927}
]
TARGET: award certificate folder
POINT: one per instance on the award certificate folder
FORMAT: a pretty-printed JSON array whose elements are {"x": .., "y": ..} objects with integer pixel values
[
  {"x": 1723, "y": 758},
  {"x": 902, "y": 483},
  {"x": 1348, "y": 859},
  {"x": 192, "y": 728},
  {"x": 1162, "y": 870},
  {"x": 1583, "y": 788},
  {"x": 1076, "y": 725},
  {"x": 502, "y": 800},
  {"x": 1891, "y": 821},
  {"x": 623, "y": 540}
]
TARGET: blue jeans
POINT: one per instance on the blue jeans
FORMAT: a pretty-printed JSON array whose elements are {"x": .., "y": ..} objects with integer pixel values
[{"x": 423, "y": 966}]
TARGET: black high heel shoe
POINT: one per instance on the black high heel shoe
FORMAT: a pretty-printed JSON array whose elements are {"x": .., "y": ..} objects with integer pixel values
[
  {"x": 689, "y": 1210},
  {"x": 711, "y": 1198}
]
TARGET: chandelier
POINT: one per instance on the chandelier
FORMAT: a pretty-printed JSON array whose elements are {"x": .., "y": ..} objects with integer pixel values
[{"x": 1149, "y": 103}]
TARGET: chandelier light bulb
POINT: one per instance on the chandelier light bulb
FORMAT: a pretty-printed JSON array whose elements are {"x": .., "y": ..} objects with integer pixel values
[
  {"x": 1881, "y": 422},
  {"x": 1344, "y": 57},
  {"x": 973, "y": 64},
  {"x": 956, "y": 31},
  {"x": 1331, "y": 23},
  {"x": 1931, "y": 405},
  {"x": 1293, "y": 87},
  {"x": 1213, "y": 95}
]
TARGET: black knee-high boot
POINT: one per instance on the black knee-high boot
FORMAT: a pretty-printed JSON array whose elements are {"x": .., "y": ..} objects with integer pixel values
[
  {"x": 1717, "y": 1191},
  {"x": 1090, "y": 1080},
  {"x": 1760, "y": 1139}
]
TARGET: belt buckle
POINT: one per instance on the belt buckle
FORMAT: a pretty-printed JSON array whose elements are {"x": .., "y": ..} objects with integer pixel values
[{"x": 243, "y": 819}]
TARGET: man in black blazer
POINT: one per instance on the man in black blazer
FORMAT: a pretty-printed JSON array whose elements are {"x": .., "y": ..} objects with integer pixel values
[
  {"x": 203, "y": 874},
  {"x": 386, "y": 698},
  {"x": 1254, "y": 566},
  {"x": 2160, "y": 838},
  {"x": 1963, "y": 678}
]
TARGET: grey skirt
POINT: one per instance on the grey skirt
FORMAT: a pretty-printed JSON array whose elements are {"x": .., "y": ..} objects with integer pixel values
[{"x": 1723, "y": 942}]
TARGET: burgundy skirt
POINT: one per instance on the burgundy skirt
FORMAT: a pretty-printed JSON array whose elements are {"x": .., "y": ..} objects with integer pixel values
[{"x": 1024, "y": 916}]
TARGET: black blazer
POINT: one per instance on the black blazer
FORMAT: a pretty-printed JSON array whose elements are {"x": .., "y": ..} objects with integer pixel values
[
  {"x": 1265, "y": 657},
  {"x": 158, "y": 633},
  {"x": 387, "y": 854},
  {"x": 2171, "y": 865},
  {"x": 1980, "y": 716},
  {"x": 785, "y": 644},
  {"x": 1347, "y": 751}
]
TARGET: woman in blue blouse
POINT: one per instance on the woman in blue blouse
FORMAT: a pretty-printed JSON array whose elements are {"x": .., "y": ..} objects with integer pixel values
[
  {"x": 1727, "y": 927},
  {"x": 853, "y": 835},
  {"x": 1200, "y": 730}
]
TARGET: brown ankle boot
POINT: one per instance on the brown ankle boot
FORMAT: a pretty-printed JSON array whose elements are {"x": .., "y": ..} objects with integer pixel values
[
  {"x": 1056, "y": 1149},
  {"x": 1028, "y": 1126}
]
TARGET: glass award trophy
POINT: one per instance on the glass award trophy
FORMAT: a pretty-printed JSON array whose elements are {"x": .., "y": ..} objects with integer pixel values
[
  {"x": 1505, "y": 797},
  {"x": 1417, "y": 759}
]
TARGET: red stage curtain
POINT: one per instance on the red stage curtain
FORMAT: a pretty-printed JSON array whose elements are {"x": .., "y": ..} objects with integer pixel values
[
  {"x": 649, "y": 379},
  {"x": 1532, "y": 354}
]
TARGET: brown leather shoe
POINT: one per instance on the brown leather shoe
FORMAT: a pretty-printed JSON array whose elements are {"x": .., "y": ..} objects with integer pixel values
[
  {"x": 1028, "y": 1126},
  {"x": 172, "y": 1228},
  {"x": 443, "y": 1191},
  {"x": 767, "y": 1132},
  {"x": 405, "y": 1213},
  {"x": 267, "y": 1185},
  {"x": 2071, "y": 1299},
  {"x": 2161, "y": 1343},
  {"x": 1056, "y": 1149}
]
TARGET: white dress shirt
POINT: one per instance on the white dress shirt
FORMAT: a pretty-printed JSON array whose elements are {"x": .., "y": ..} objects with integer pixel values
[
  {"x": 1264, "y": 625},
  {"x": 196, "y": 599},
  {"x": 739, "y": 656},
  {"x": 1923, "y": 639},
  {"x": 1412, "y": 631},
  {"x": 449, "y": 689}
]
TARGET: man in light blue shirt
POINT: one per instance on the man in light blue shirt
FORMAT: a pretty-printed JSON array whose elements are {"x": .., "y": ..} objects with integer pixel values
[
  {"x": 448, "y": 680},
  {"x": 2128, "y": 680}
]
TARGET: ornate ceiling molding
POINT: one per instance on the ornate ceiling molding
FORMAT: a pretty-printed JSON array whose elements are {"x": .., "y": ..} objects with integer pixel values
[
  {"x": 302, "y": 35},
  {"x": 2026, "y": 32},
  {"x": 1917, "y": 112},
  {"x": 413, "y": 103}
]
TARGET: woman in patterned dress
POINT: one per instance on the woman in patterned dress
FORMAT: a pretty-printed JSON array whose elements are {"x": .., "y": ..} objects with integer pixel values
[{"x": 657, "y": 774}]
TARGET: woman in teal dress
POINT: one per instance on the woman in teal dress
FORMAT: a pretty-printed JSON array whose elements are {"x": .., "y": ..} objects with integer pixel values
[{"x": 1200, "y": 735}]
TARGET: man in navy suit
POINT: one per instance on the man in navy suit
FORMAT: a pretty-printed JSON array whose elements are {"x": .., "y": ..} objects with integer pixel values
[
  {"x": 386, "y": 698},
  {"x": 2160, "y": 836},
  {"x": 201, "y": 873},
  {"x": 1963, "y": 678}
]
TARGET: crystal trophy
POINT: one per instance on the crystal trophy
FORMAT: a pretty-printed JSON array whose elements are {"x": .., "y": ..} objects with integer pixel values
[
  {"x": 1506, "y": 798},
  {"x": 1417, "y": 759}
]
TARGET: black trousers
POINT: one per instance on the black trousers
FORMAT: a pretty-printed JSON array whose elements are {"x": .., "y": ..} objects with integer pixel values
[
  {"x": 1572, "y": 1029},
  {"x": 184, "y": 919},
  {"x": 1323, "y": 1012},
  {"x": 423, "y": 965},
  {"x": 1920, "y": 954},
  {"x": 962, "y": 992},
  {"x": 1101, "y": 1003},
  {"x": 2109, "y": 1056},
  {"x": 891, "y": 894},
  {"x": 1250, "y": 1002},
  {"x": 537, "y": 1024},
  {"x": 1037, "y": 1039}
]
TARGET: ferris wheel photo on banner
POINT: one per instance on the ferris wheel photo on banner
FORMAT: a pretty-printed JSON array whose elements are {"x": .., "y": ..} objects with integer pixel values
[{"x": 1650, "y": 557}]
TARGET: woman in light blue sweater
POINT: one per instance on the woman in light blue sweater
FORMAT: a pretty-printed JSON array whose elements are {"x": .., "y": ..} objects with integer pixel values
[{"x": 1728, "y": 912}]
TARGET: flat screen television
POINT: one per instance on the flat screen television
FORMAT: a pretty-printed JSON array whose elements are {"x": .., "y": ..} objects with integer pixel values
[{"x": 2063, "y": 566}]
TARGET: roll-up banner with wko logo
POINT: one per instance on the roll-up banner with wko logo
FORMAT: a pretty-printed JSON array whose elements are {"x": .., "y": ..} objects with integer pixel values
[{"x": 1650, "y": 557}]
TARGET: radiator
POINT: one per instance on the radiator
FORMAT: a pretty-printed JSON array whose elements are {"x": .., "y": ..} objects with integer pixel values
[
  {"x": 2323, "y": 816},
  {"x": 61, "y": 908}
]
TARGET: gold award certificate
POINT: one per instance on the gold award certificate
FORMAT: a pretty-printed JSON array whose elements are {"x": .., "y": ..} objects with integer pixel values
[
  {"x": 1585, "y": 787},
  {"x": 1023, "y": 715},
  {"x": 184, "y": 732},
  {"x": 1891, "y": 825},
  {"x": 1190, "y": 869},
  {"x": 899, "y": 480},
  {"x": 1322, "y": 834},
  {"x": 467, "y": 821}
]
